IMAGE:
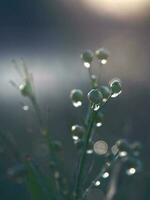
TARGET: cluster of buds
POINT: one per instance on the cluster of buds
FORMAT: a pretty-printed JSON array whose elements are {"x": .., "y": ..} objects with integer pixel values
[
  {"x": 98, "y": 96},
  {"x": 100, "y": 54}
]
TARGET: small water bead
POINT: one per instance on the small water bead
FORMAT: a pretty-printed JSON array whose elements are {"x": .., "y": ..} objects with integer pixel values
[
  {"x": 123, "y": 153},
  {"x": 131, "y": 171},
  {"x": 103, "y": 61},
  {"x": 95, "y": 107},
  {"x": 97, "y": 183},
  {"x": 77, "y": 104},
  {"x": 22, "y": 86},
  {"x": 87, "y": 65},
  {"x": 105, "y": 175},
  {"x": 87, "y": 57},
  {"x": 116, "y": 87},
  {"x": 132, "y": 166},
  {"x": 102, "y": 55},
  {"x": 89, "y": 151},
  {"x": 25, "y": 107},
  {"x": 99, "y": 124},
  {"x": 99, "y": 119},
  {"x": 95, "y": 97},
  {"x": 100, "y": 147},
  {"x": 74, "y": 137},
  {"x": 90, "y": 148},
  {"x": 76, "y": 96},
  {"x": 77, "y": 132}
]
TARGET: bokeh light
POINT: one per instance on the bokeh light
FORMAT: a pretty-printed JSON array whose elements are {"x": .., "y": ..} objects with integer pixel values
[{"x": 118, "y": 8}]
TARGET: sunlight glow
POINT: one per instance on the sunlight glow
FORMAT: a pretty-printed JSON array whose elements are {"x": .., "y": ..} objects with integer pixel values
[{"x": 118, "y": 8}]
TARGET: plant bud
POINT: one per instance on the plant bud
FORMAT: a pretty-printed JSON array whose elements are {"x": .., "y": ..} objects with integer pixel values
[
  {"x": 95, "y": 96},
  {"x": 116, "y": 87},
  {"x": 87, "y": 58},
  {"x": 77, "y": 97},
  {"x": 102, "y": 55},
  {"x": 77, "y": 132},
  {"x": 26, "y": 89}
]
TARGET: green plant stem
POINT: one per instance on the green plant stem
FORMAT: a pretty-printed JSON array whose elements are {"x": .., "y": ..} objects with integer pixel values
[
  {"x": 84, "y": 155},
  {"x": 99, "y": 176},
  {"x": 90, "y": 76},
  {"x": 48, "y": 140},
  {"x": 37, "y": 110}
]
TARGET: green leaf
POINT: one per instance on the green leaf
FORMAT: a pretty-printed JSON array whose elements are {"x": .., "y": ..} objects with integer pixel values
[{"x": 36, "y": 185}]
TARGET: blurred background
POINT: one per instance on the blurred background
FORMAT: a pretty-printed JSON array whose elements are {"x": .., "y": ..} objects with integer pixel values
[{"x": 50, "y": 35}]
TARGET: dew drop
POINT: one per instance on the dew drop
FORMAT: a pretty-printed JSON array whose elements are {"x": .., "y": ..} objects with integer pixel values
[
  {"x": 87, "y": 65},
  {"x": 89, "y": 151},
  {"x": 99, "y": 124},
  {"x": 97, "y": 183},
  {"x": 75, "y": 137},
  {"x": 104, "y": 100},
  {"x": 25, "y": 107},
  {"x": 99, "y": 119},
  {"x": 103, "y": 61},
  {"x": 77, "y": 132},
  {"x": 131, "y": 171},
  {"x": 105, "y": 175},
  {"x": 95, "y": 107},
  {"x": 22, "y": 86},
  {"x": 116, "y": 94},
  {"x": 123, "y": 153},
  {"x": 77, "y": 104}
]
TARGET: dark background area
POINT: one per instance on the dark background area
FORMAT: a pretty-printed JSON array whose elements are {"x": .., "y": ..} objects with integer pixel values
[{"x": 50, "y": 35}]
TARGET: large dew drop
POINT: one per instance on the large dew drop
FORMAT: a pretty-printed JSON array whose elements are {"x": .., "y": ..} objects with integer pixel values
[
  {"x": 76, "y": 96},
  {"x": 116, "y": 87},
  {"x": 102, "y": 55}
]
